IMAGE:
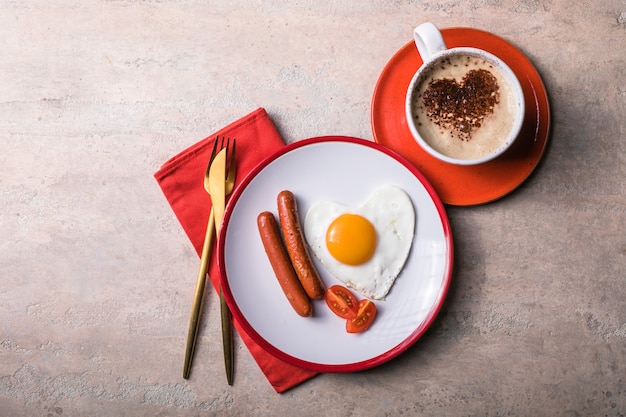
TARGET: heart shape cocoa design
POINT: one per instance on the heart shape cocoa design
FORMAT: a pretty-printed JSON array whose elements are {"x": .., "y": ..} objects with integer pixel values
[{"x": 462, "y": 108}]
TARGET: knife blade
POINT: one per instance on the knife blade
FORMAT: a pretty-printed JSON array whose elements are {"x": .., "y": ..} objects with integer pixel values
[{"x": 217, "y": 185}]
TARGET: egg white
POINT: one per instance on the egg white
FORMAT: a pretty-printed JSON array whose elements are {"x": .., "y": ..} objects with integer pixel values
[{"x": 391, "y": 211}]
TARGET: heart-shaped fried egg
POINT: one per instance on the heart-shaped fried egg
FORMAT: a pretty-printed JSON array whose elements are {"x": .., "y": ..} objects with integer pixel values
[{"x": 365, "y": 247}]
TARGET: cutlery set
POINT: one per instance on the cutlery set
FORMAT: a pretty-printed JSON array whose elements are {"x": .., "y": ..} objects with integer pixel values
[{"x": 219, "y": 181}]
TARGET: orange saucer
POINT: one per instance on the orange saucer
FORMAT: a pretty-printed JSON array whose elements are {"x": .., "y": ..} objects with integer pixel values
[{"x": 463, "y": 185}]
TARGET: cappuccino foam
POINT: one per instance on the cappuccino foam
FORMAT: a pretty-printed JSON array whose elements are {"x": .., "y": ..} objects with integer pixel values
[{"x": 465, "y": 108}]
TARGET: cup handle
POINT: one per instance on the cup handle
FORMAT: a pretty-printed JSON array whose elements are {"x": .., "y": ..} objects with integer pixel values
[{"x": 428, "y": 40}]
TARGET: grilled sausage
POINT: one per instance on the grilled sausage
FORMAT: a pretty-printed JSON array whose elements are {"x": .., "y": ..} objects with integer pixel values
[
  {"x": 279, "y": 259},
  {"x": 296, "y": 246}
]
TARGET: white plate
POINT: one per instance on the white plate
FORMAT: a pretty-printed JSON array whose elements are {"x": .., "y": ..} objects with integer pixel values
[{"x": 345, "y": 170}]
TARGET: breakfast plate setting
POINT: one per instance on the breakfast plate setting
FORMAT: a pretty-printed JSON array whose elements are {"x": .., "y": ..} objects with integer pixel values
[
  {"x": 334, "y": 253},
  {"x": 325, "y": 173}
]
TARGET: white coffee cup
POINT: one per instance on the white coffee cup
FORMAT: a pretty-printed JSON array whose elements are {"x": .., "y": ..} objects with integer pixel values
[{"x": 438, "y": 110}]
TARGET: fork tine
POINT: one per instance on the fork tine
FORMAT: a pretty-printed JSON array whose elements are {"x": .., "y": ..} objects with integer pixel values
[{"x": 230, "y": 170}]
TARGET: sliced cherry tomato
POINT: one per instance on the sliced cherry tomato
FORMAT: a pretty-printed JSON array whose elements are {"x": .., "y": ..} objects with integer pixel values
[
  {"x": 364, "y": 318},
  {"x": 341, "y": 301}
]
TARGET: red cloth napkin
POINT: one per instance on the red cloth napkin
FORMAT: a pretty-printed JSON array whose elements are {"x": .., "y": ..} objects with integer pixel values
[{"x": 181, "y": 180}]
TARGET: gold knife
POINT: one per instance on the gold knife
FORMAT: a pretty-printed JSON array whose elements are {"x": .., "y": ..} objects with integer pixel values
[{"x": 217, "y": 185}]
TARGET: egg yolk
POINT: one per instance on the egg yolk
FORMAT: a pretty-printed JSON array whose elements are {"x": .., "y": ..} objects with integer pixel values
[{"x": 351, "y": 239}]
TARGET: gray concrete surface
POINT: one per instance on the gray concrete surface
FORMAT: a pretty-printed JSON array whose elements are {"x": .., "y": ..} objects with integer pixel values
[{"x": 97, "y": 275}]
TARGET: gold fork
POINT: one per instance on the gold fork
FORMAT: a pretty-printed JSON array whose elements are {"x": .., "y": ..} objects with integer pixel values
[{"x": 198, "y": 297}]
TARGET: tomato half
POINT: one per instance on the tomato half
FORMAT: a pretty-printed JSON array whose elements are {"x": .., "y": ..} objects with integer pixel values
[
  {"x": 341, "y": 302},
  {"x": 364, "y": 318}
]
